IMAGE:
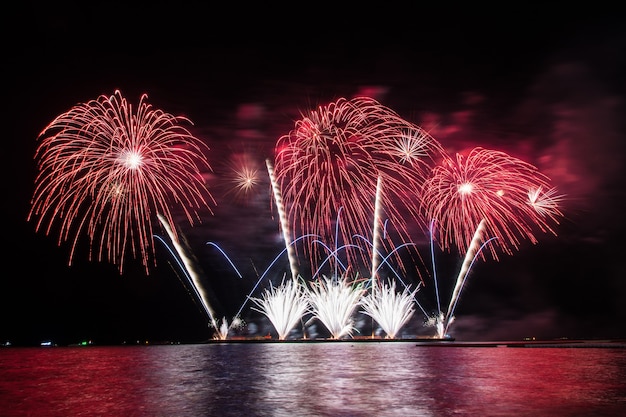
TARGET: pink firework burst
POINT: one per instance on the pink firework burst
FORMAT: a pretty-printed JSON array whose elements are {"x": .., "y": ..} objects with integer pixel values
[
  {"x": 332, "y": 160},
  {"x": 107, "y": 171},
  {"x": 506, "y": 192}
]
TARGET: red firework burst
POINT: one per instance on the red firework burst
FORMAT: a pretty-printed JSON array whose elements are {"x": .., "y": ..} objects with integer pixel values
[
  {"x": 107, "y": 171},
  {"x": 511, "y": 195},
  {"x": 332, "y": 160}
]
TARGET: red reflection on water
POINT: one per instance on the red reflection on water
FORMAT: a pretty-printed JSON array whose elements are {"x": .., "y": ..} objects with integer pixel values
[
  {"x": 523, "y": 381},
  {"x": 72, "y": 381}
]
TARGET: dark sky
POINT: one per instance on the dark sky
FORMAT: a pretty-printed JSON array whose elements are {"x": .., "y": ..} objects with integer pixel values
[{"x": 543, "y": 85}]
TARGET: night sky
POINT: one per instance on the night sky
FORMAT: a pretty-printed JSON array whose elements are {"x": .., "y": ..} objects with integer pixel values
[{"x": 543, "y": 85}]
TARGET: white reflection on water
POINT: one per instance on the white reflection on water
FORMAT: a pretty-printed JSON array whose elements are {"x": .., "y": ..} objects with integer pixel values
[
  {"x": 344, "y": 380},
  {"x": 317, "y": 379}
]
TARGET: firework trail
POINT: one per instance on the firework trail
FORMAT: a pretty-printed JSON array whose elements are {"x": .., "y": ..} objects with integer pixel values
[
  {"x": 471, "y": 255},
  {"x": 106, "y": 171},
  {"x": 194, "y": 281},
  {"x": 432, "y": 258},
  {"x": 283, "y": 221},
  {"x": 376, "y": 236},
  {"x": 333, "y": 158}
]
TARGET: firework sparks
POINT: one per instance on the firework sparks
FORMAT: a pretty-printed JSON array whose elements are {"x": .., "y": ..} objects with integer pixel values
[
  {"x": 283, "y": 305},
  {"x": 106, "y": 171},
  {"x": 225, "y": 328},
  {"x": 492, "y": 186},
  {"x": 546, "y": 203},
  {"x": 246, "y": 179},
  {"x": 486, "y": 197},
  {"x": 333, "y": 158},
  {"x": 411, "y": 147},
  {"x": 390, "y": 309},
  {"x": 334, "y": 301},
  {"x": 243, "y": 176}
]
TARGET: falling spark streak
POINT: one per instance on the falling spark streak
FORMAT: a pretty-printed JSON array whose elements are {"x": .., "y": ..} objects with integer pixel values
[
  {"x": 227, "y": 258},
  {"x": 222, "y": 332},
  {"x": 336, "y": 241},
  {"x": 283, "y": 219},
  {"x": 188, "y": 267},
  {"x": 224, "y": 328},
  {"x": 471, "y": 251}
]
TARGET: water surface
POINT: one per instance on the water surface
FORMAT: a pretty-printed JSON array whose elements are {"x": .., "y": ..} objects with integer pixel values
[{"x": 319, "y": 379}]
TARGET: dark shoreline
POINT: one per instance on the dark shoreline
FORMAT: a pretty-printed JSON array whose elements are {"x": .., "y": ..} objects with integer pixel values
[
  {"x": 435, "y": 342},
  {"x": 417, "y": 341}
]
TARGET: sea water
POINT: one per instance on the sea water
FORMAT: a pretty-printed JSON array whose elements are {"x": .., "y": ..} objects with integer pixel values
[{"x": 316, "y": 379}]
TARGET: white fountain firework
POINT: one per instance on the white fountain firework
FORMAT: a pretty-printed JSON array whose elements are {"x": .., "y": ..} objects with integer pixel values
[
  {"x": 283, "y": 305},
  {"x": 390, "y": 309},
  {"x": 334, "y": 301}
]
